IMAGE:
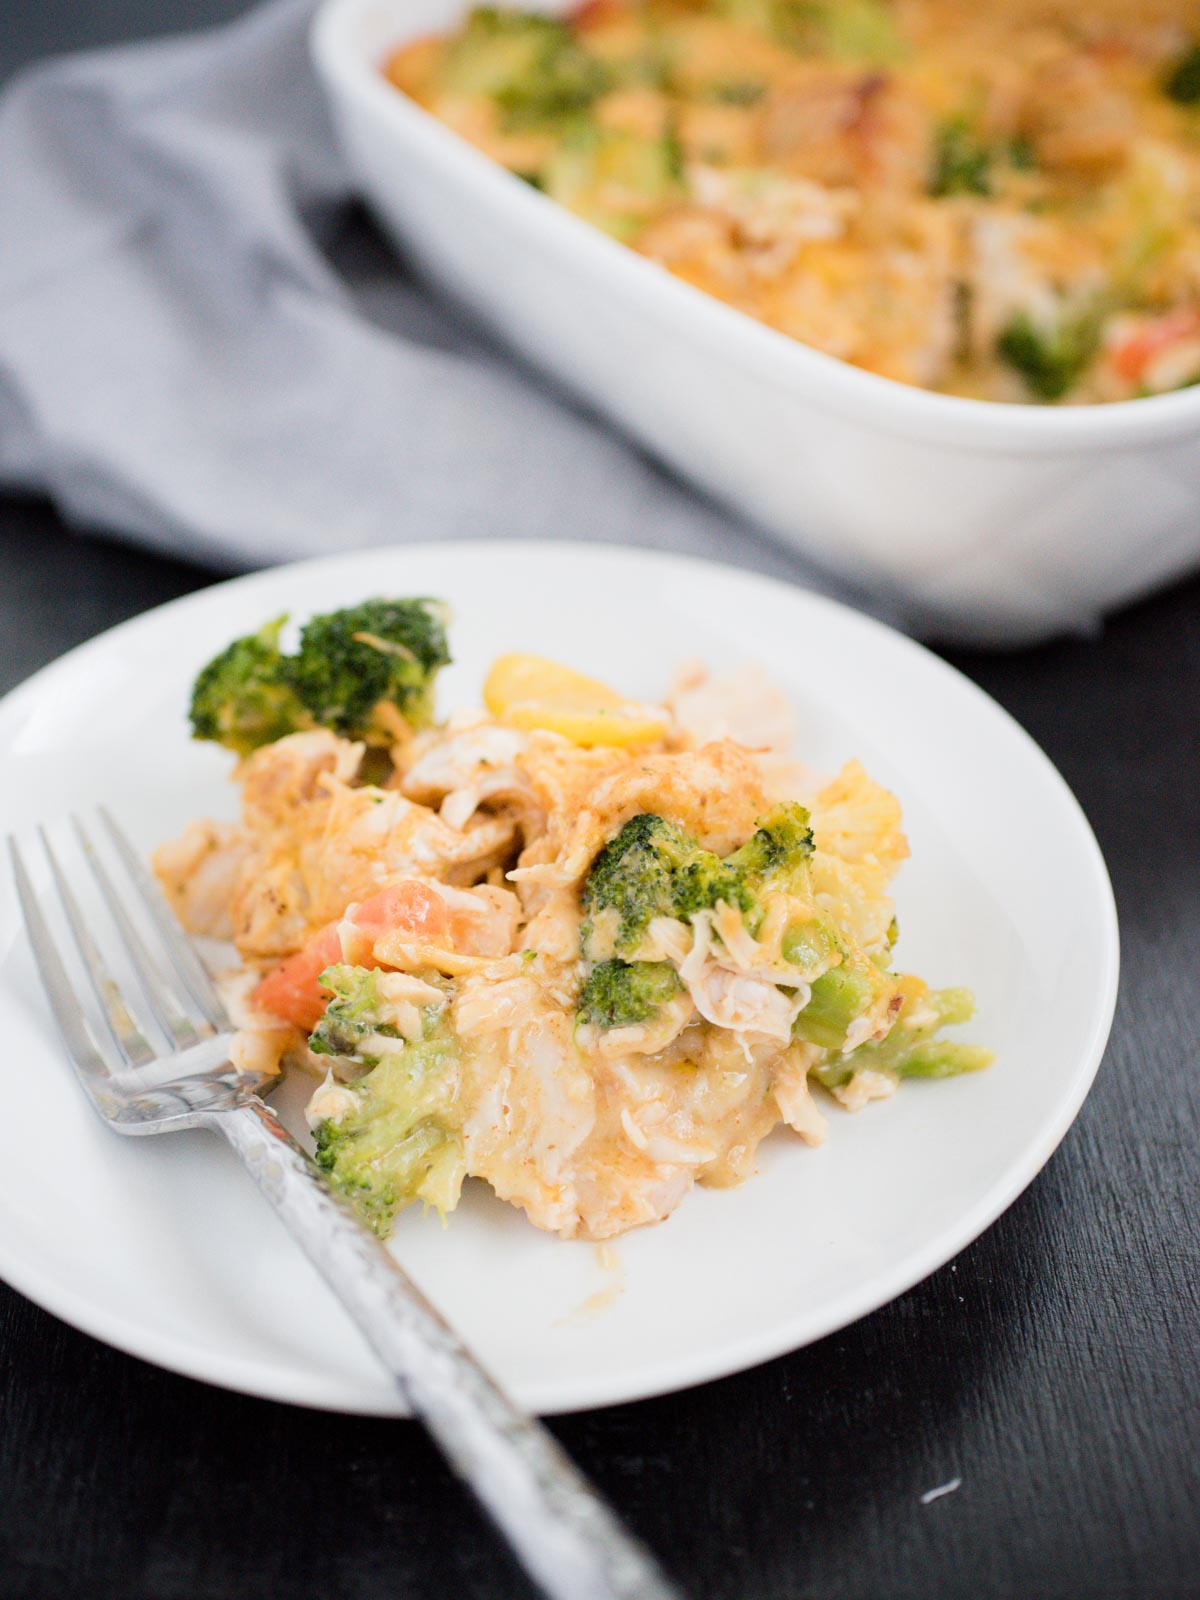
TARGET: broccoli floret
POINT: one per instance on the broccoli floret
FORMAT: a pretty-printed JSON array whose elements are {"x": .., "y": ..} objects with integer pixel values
[
  {"x": 356, "y": 1011},
  {"x": 395, "y": 1138},
  {"x": 653, "y": 869},
  {"x": 961, "y": 163},
  {"x": 531, "y": 65},
  {"x": 241, "y": 700},
  {"x": 353, "y": 668},
  {"x": 813, "y": 947},
  {"x": 705, "y": 881},
  {"x": 911, "y": 1049},
  {"x": 847, "y": 30},
  {"x": 620, "y": 994},
  {"x": 779, "y": 848},
  {"x": 1050, "y": 358},
  {"x": 383, "y": 653},
  {"x": 1022, "y": 153},
  {"x": 613, "y": 177},
  {"x": 564, "y": 83},
  {"x": 838, "y": 998},
  {"x": 964, "y": 164},
  {"x": 1181, "y": 82},
  {"x": 631, "y": 880}
]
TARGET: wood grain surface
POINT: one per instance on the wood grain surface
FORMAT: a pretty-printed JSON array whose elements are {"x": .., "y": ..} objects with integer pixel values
[{"x": 1054, "y": 1367}]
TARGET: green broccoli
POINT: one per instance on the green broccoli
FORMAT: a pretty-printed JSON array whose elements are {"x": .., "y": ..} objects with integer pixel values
[
  {"x": 399, "y": 1141},
  {"x": 531, "y": 65},
  {"x": 705, "y": 881},
  {"x": 774, "y": 856},
  {"x": 1051, "y": 357},
  {"x": 838, "y": 997},
  {"x": 356, "y": 1014},
  {"x": 383, "y": 653},
  {"x": 911, "y": 1049},
  {"x": 620, "y": 994},
  {"x": 863, "y": 31},
  {"x": 591, "y": 164},
  {"x": 240, "y": 699},
  {"x": 812, "y": 947},
  {"x": 779, "y": 848},
  {"x": 1181, "y": 81},
  {"x": 964, "y": 164},
  {"x": 379, "y": 653},
  {"x": 653, "y": 869},
  {"x": 961, "y": 163},
  {"x": 631, "y": 880}
]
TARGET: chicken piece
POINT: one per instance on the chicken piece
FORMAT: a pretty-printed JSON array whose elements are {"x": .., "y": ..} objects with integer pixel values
[
  {"x": 261, "y": 1052},
  {"x": 342, "y": 845},
  {"x": 866, "y": 1085},
  {"x": 773, "y": 215},
  {"x": 694, "y": 1114},
  {"x": 853, "y": 129},
  {"x": 470, "y": 764},
  {"x": 587, "y": 1138},
  {"x": 285, "y": 776},
  {"x": 198, "y": 872},
  {"x": 748, "y": 706},
  {"x": 562, "y": 774},
  {"x": 533, "y": 1099},
  {"x": 794, "y": 1097},
  {"x": 742, "y": 1000},
  {"x": 744, "y": 704},
  {"x": 1080, "y": 121}
]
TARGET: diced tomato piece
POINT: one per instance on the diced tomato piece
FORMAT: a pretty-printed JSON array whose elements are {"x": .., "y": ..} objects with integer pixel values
[
  {"x": 595, "y": 13},
  {"x": 291, "y": 990},
  {"x": 1133, "y": 355},
  {"x": 408, "y": 907}
]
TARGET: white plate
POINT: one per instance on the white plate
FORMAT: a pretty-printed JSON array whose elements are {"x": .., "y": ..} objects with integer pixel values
[{"x": 164, "y": 1248}]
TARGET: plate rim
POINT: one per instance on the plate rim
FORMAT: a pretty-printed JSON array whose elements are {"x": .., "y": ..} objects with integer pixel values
[{"x": 291, "y": 1384}]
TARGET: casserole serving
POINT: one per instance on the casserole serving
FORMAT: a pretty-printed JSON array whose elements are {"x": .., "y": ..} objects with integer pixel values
[{"x": 588, "y": 950}]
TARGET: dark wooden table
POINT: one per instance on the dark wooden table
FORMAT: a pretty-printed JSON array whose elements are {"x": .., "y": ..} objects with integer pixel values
[{"x": 1054, "y": 1367}]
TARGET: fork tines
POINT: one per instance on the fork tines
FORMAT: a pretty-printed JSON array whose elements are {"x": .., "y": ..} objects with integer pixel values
[{"x": 159, "y": 1000}]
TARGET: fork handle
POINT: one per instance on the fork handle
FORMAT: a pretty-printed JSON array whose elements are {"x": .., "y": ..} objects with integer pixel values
[{"x": 567, "y": 1538}]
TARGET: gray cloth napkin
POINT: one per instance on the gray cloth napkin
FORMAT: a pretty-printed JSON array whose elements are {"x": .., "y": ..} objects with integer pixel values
[{"x": 203, "y": 350}]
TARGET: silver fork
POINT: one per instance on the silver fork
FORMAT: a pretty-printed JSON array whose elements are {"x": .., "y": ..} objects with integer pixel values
[{"x": 568, "y": 1539}]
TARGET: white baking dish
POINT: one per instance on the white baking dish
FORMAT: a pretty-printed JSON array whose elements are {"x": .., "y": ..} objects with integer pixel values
[{"x": 994, "y": 523}]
